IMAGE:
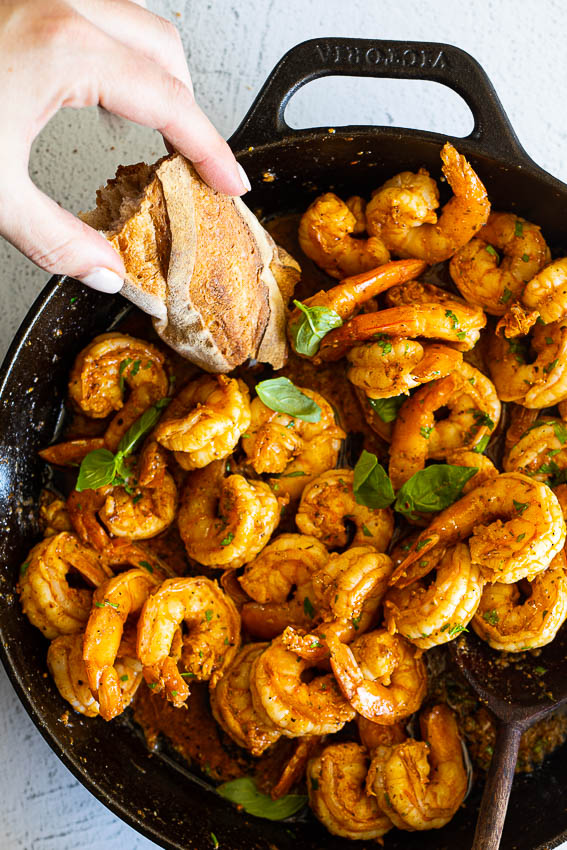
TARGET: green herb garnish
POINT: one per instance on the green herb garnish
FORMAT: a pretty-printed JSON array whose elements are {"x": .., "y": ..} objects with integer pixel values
[
  {"x": 315, "y": 323},
  {"x": 281, "y": 395},
  {"x": 244, "y": 793}
]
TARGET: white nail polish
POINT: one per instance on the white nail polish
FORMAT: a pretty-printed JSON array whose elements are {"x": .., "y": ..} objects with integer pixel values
[
  {"x": 103, "y": 280},
  {"x": 244, "y": 178}
]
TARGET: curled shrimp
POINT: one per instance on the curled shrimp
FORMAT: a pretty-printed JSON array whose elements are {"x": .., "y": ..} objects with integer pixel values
[
  {"x": 205, "y": 420},
  {"x": 231, "y": 704},
  {"x": 205, "y": 652},
  {"x": 514, "y": 524},
  {"x": 66, "y": 665},
  {"x": 113, "y": 602},
  {"x": 391, "y": 366},
  {"x": 534, "y": 380},
  {"x": 434, "y": 614},
  {"x": 279, "y": 580},
  {"x": 329, "y": 500},
  {"x": 402, "y": 211},
  {"x": 225, "y": 522},
  {"x": 104, "y": 368},
  {"x": 544, "y": 297},
  {"x": 474, "y": 411},
  {"x": 326, "y": 236},
  {"x": 540, "y": 452},
  {"x": 295, "y": 450},
  {"x": 450, "y": 322},
  {"x": 421, "y": 784},
  {"x": 483, "y": 278},
  {"x": 381, "y": 675},
  {"x": 143, "y": 512},
  {"x": 294, "y": 706},
  {"x": 527, "y": 615},
  {"x": 48, "y": 601},
  {"x": 337, "y": 793}
]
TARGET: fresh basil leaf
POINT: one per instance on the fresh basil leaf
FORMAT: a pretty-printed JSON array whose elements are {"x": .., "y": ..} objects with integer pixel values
[
  {"x": 309, "y": 330},
  {"x": 372, "y": 487},
  {"x": 433, "y": 488},
  {"x": 97, "y": 469},
  {"x": 281, "y": 395},
  {"x": 141, "y": 427},
  {"x": 244, "y": 792},
  {"x": 387, "y": 408}
]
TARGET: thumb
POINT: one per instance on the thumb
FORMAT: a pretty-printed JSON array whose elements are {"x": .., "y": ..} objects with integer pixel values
[{"x": 57, "y": 241}]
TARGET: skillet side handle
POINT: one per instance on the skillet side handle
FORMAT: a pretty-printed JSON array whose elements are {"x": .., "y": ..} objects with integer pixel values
[
  {"x": 497, "y": 789},
  {"x": 404, "y": 60}
]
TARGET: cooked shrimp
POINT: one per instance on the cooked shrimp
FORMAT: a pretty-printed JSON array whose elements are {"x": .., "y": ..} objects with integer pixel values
[
  {"x": 71, "y": 452},
  {"x": 402, "y": 211},
  {"x": 325, "y": 236},
  {"x": 66, "y": 665},
  {"x": 449, "y": 322},
  {"x": 381, "y": 675},
  {"x": 544, "y": 297},
  {"x": 53, "y": 514},
  {"x": 434, "y": 614},
  {"x": 329, "y": 500},
  {"x": 279, "y": 580},
  {"x": 113, "y": 602},
  {"x": 390, "y": 367},
  {"x": 225, "y": 522},
  {"x": 48, "y": 601},
  {"x": 207, "y": 649},
  {"x": 205, "y": 420},
  {"x": 474, "y": 411},
  {"x": 295, "y": 450},
  {"x": 478, "y": 272},
  {"x": 104, "y": 368},
  {"x": 374, "y": 735},
  {"x": 337, "y": 793},
  {"x": 296, "y": 765},
  {"x": 525, "y": 531},
  {"x": 537, "y": 384},
  {"x": 541, "y": 452},
  {"x": 516, "y": 617},
  {"x": 141, "y": 514},
  {"x": 294, "y": 706},
  {"x": 231, "y": 704},
  {"x": 421, "y": 784}
]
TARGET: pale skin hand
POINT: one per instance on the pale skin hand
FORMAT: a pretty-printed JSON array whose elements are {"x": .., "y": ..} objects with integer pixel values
[{"x": 113, "y": 53}]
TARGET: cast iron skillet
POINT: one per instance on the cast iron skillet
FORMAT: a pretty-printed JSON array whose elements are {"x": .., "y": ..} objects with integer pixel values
[{"x": 154, "y": 794}]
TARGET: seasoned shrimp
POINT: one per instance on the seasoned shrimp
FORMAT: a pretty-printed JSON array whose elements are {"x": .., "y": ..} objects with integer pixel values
[
  {"x": 337, "y": 793},
  {"x": 434, "y": 614},
  {"x": 450, "y": 322},
  {"x": 474, "y": 411},
  {"x": 294, "y": 706},
  {"x": 390, "y": 367},
  {"x": 207, "y": 649},
  {"x": 421, "y": 784},
  {"x": 544, "y": 297},
  {"x": 113, "y": 602},
  {"x": 295, "y": 767},
  {"x": 515, "y": 526},
  {"x": 381, "y": 675},
  {"x": 402, "y": 211},
  {"x": 480, "y": 275},
  {"x": 143, "y": 513},
  {"x": 231, "y": 704},
  {"x": 104, "y": 368},
  {"x": 71, "y": 452},
  {"x": 225, "y": 522},
  {"x": 516, "y": 617},
  {"x": 295, "y": 450},
  {"x": 205, "y": 420},
  {"x": 66, "y": 665},
  {"x": 48, "y": 601},
  {"x": 541, "y": 452},
  {"x": 329, "y": 500},
  {"x": 536, "y": 384},
  {"x": 325, "y": 236},
  {"x": 279, "y": 580}
]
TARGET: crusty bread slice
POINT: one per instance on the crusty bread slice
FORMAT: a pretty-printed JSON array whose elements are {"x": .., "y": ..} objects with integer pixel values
[{"x": 199, "y": 262}]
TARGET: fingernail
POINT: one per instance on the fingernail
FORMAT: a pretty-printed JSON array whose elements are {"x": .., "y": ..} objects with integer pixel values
[
  {"x": 244, "y": 178},
  {"x": 103, "y": 280}
]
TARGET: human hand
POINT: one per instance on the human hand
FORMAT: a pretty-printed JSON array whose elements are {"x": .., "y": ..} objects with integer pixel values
[{"x": 113, "y": 53}]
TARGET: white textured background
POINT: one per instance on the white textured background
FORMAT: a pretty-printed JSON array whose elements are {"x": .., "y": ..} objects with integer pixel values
[{"x": 232, "y": 45}]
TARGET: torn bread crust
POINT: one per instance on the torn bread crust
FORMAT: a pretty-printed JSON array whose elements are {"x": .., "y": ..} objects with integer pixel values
[{"x": 199, "y": 262}]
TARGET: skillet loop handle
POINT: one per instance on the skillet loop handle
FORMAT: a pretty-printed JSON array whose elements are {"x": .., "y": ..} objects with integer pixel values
[{"x": 404, "y": 60}]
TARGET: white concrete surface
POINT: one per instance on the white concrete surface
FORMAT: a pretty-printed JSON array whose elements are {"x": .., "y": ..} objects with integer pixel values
[{"x": 232, "y": 46}]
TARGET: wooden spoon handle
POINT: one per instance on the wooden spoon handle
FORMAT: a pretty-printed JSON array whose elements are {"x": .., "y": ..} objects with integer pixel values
[{"x": 497, "y": 789}]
